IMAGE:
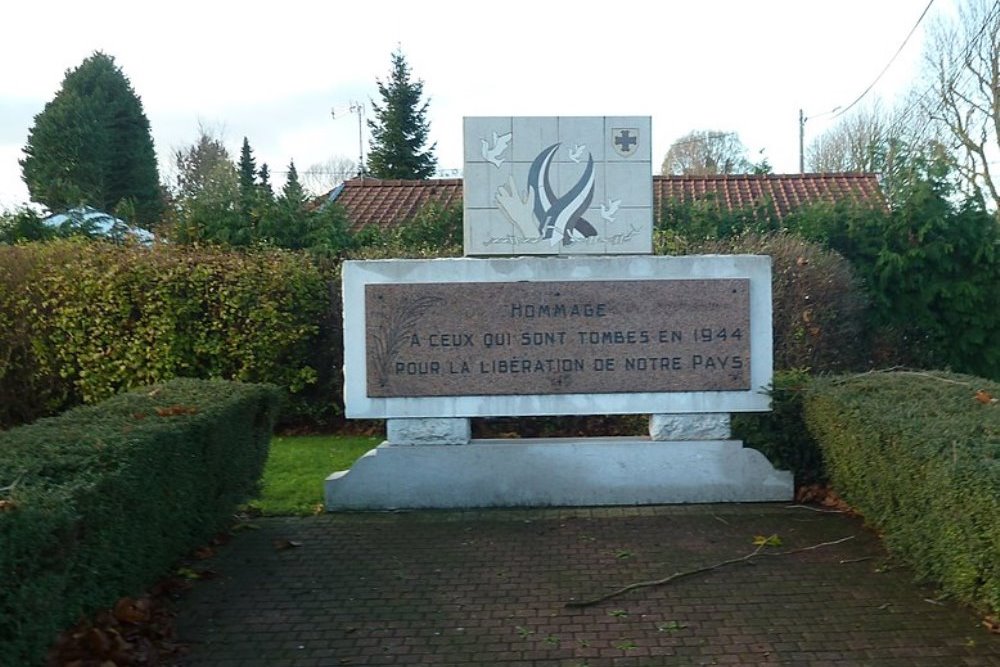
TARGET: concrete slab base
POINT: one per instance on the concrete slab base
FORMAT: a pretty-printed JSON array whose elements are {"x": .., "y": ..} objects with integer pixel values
[{"x": 548, "y": 472}]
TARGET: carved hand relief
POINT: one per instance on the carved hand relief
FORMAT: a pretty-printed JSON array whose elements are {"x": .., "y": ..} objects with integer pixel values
[
  {"x": 588, "y": 189},
  {"x": 556, "y": 218}
]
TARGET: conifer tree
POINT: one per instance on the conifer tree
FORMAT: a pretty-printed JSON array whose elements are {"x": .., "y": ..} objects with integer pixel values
[
  {"x": 292, "y": 194},
  {"x": 400, "y": 128},
  {"x": 264, "y": 183},
  {"x": 249, "y": 192},
  {"x": 91, "y": 145},
  {"x": 207, "y": 193},
  {"x": 289, "y": 224},
  {"x": 247, "y": 169}
]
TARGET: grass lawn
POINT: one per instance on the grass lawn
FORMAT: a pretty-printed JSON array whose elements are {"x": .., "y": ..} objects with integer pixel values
[{"x": 296, "y": 467}]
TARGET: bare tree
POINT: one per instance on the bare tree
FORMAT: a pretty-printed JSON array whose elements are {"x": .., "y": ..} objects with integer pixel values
[
  {"x": 961, "y": 61},
  {"x": 853, "y": 143},
  {"x": 706, "y": 153},
  {"x": 322, "y": 177}
]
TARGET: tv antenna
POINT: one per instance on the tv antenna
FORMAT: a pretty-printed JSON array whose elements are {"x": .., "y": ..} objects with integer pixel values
[{"x": 359, "y": 109}]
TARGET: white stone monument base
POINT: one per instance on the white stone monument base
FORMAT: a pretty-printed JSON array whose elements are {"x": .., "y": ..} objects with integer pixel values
[{"x": 549, "y": 472}]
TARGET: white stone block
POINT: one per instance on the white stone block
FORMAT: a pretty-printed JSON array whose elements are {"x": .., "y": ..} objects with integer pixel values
[
  {"x": 358, "y": 274},
  {"x": 711, "y": 426},
  {"x": 429, "y": 431},
  {"x": 557, "y": 472}
]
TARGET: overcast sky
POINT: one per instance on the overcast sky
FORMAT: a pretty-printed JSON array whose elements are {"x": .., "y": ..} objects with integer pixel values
[{"x": 272, "y": 71}]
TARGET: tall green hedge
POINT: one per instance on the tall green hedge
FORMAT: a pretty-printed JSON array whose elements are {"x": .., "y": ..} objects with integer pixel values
[
  {"x": 81, "y": 321},
  {"x": 931, "y": 269},
  {"x": 918, "y": 453},
  {"x": 100, "y": 501}
]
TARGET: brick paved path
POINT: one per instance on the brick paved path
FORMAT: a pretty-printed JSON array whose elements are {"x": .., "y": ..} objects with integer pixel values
[{"x": 488, "y": 588}]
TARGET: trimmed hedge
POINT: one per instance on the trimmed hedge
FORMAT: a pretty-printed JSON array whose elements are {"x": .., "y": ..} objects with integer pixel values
[
  {"x": 100, "y": 501},
  {"x": 918, "y": 454},
  {"x": 81, "y": 321}
]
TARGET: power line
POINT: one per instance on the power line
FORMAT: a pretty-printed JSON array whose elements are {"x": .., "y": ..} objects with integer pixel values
[
  {"x": 973, "y": 43},
  {"x": 918, "y": 101},
  {"x": 319, "y": 172},
  {"x": 707, "y": 137},
  {"x": 889, "y": 64}
]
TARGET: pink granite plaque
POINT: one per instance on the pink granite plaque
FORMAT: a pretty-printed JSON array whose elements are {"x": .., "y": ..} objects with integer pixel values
[{"x": 572, "y": 337}]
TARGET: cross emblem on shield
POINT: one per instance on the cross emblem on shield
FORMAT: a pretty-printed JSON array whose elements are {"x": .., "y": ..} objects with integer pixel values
[{"x": 625, "y": 140}]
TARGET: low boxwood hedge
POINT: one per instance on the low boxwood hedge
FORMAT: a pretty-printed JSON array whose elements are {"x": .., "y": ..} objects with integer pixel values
[
  {"x": 100, "y": 501},
  {"x": 918, "y": 454}
]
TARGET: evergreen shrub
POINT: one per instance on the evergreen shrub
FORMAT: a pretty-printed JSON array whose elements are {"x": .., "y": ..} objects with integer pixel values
[
  {"x": 930, "y": 268},
  {"x": 98, "y": 502},
  {"x": 819, "y": 306},
  {"x": 918, "y": 454},
  {"x": 780, "y": 434}
]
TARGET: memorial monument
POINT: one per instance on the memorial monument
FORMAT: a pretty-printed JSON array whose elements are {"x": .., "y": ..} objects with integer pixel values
[{"x": 596, "y": 325}]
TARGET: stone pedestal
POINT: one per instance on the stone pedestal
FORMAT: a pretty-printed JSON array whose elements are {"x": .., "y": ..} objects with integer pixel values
[
  {"x": 697, "y": 426},
  {"x": 430, "y": 344},
  {"x": 428, "y": 431},
  {"x": 556, "y": 472}
]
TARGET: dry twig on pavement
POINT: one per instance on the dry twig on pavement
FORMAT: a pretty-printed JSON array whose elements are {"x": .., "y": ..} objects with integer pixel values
[{"x": 756, "y": 553}]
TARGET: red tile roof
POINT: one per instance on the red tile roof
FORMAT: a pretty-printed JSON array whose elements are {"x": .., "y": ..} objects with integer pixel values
[
  {"x": 785, "y": 192},
  {"x": 390, "y": 203}
]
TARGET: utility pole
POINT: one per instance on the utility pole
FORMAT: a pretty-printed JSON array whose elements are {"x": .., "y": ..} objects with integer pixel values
[
  {"x": 802, "y": 134},
  {"x": 802, "y": 141}
]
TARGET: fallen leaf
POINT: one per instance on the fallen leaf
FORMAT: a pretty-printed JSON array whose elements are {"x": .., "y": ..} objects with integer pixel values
[
  {"x": 802, "y": 261},
  {"x": 985, "y": 397},
  {"x": 132, "y": 611},
  {"x": 992, "y": 623},
  {"x": 7, "y": 506},
  {"x": 769, "y": 541},
  {"x": 813, "y": 492},
  {"x": 137, "y": 631}
]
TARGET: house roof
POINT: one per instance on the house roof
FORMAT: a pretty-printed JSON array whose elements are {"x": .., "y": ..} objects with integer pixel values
[
  {"x": 389, "y": 203},
  {"x": 785, "y": 192},
  {"x": 385, "y": 204}
]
